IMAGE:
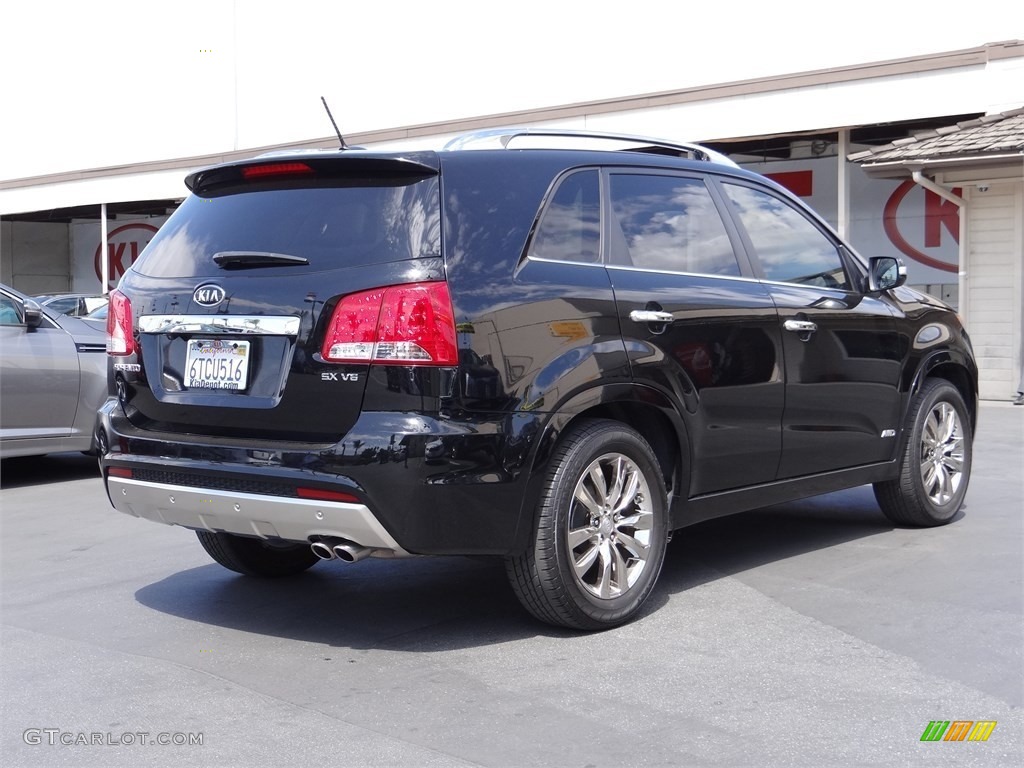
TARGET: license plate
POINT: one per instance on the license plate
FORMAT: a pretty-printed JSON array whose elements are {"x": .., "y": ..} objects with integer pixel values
[{"x": 217, "y": 364}]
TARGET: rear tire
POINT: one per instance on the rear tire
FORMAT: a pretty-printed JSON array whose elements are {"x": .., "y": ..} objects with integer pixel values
[
  {"x": 936, "y": 463},
  {"x": 600, "y": 533},
  {"x": 256, "y": 557}
]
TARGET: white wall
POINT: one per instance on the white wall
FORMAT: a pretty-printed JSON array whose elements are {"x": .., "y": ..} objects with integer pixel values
[
  {"x": 35, "y": 257},
  {"x": 994, "y": 275},
  {"x": 6, "y": 251}
]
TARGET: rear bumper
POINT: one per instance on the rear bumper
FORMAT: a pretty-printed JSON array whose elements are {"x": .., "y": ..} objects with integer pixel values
[
  {"x": 247, "y": 514},
  {"x": 421, "y": 484}
]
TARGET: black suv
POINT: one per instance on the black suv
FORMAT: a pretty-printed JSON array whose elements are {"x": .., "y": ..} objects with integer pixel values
[{"x": 556, "y": 349}]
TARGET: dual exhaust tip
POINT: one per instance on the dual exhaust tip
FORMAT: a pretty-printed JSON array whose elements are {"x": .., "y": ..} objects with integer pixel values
[{"x": 328, "y": 548}]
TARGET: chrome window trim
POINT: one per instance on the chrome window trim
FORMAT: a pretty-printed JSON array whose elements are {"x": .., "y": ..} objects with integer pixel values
[
  {"x": 250, "y": 325},
  {"x": 565, "y": 261},
  {"x": 808, "y": 287},
  {"x": 742, "y": 278}
]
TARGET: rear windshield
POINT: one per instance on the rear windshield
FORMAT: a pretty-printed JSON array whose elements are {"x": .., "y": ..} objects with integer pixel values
[{"x": 341, "y": 225}]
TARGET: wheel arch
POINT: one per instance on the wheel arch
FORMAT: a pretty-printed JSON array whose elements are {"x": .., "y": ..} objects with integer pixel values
[
  {"x": 647, "y": 410},
  {"x": 957, "y": 370}
]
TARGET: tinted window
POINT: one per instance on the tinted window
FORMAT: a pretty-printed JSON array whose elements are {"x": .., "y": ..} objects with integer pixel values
[
  {"x": 671, "y": 223},
  {"x": 570, "y": 228},
  {"x": 332, "y": 226},
  {"x": 9, "y": 314},
  {"x": 65, "y": 306},
  {"x": 790, "y": 248}
]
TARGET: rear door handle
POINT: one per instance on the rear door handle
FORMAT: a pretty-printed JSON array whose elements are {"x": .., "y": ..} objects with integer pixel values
[{"x": 650, "y": 316}]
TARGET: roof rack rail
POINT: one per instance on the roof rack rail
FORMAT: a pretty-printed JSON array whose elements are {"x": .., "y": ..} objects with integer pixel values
[{"x": 502, "y": 138}]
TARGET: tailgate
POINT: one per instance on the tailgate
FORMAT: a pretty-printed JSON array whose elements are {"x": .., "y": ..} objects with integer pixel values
[{"x": 231, "y": 299}]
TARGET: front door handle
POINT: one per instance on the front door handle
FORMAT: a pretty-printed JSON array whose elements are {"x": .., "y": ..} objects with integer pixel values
[
  {"x": 801, "y": 326},
  {"x": 650, "y": 316}
]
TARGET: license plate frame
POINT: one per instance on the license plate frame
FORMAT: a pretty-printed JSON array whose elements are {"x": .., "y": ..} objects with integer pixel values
[{"x": 219, "y": 365}]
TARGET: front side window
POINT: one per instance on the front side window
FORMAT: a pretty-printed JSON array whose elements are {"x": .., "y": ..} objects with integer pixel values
[
  {"x": 570, "y": 228},
  {"x": 671, "y": 224},
  {"x": 9, "y": 314},
  {"x": 790, "y": 248}
]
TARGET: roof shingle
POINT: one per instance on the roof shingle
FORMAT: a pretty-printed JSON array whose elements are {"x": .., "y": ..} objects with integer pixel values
[{"x": 998, "y": 134}]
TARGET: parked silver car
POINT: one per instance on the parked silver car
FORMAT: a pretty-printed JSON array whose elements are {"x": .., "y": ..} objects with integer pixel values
[
  {"x": 53, "y": 378},
  {"x": 75, "y": 304}
]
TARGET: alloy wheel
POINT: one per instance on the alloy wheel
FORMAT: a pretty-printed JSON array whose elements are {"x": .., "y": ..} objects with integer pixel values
[{"x": 610, "y": 526}]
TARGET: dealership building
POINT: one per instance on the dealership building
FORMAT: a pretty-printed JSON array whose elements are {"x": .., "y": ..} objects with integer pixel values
[{"x": 920, "y": 158}]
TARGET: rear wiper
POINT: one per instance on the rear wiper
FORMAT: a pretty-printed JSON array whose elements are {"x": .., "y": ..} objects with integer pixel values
[{"x": 251, "y": 259}]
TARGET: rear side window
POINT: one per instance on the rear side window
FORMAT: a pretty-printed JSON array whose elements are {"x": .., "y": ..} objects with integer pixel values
[
  {"x": 570, "y": 227},
  {"x": 790, "y": 248},
  {"x": 345, "y": 224},
  {"x": 671, "y": 224}
]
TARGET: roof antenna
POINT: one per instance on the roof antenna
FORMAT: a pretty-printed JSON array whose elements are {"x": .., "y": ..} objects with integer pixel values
[{"x": 340, "y": 137}]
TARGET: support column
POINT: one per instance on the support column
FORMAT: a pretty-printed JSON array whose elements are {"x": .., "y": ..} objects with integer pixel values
[
  {"x": 104, "y": 251},
  {"x": 843, "y": 186}
]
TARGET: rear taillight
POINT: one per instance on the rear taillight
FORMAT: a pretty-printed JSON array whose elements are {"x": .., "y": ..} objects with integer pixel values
[
  {"x": 411, "y": 324},
  {"x": 120, "y": 339}
]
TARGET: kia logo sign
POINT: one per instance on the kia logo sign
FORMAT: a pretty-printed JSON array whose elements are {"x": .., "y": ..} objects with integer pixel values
[
  {"x": 124, "y": 245},
  {"x": 208, "y": 295},
  {"x": 938, "y": 215}
]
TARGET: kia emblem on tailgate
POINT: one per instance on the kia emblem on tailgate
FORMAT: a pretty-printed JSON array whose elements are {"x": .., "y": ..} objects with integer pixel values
[{"x": 208, "y": 295}]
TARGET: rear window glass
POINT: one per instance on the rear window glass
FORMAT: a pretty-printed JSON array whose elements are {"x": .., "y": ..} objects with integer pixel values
[{"x": 331, "y": 226}]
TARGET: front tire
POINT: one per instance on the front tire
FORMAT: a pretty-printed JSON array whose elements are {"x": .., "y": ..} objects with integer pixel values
[
  {"x": 256, "y": 557},
  {"x": 936, "y": 462},
  {"x": 600, "y": 534}
]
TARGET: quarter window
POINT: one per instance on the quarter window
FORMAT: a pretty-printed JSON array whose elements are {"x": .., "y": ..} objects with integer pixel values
[
  {"x": 790, "y": 248},
  {"x": 671, "y": 224},
  {"x": 570, "y": 228}
]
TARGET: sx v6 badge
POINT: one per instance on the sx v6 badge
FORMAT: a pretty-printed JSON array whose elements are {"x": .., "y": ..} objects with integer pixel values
[{"x": 331, "y": 376}]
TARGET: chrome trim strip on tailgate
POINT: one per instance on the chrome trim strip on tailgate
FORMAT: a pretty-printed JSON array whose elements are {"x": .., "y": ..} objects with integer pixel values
[
  {"x": 266, "y": 517},
  {"x": 260, "y": 325}
]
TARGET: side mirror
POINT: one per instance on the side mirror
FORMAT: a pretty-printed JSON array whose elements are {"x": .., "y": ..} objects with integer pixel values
[
  {"x": 886, "y": 272},
  {"x": 33, "y": 314}
]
